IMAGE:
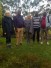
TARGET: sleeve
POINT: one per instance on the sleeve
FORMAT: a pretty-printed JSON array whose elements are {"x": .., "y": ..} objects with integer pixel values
[
  {"x": 32, "y": 19},
  {"x": 31, "y": 26},
  {"x": 14, "y": 23},
  {"x": 40, "y": 21},
  {"x": 48, "y": 19},
  {"x": 23, "y": 22}
]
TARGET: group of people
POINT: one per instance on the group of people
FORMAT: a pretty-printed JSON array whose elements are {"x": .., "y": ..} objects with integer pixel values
[{"x": 35, "y": 26}]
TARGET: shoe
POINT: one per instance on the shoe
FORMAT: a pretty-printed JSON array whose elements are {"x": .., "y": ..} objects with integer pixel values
[
  {"x": 47, "y": 43},
  {"x": 17, "y": 45},
  {"x": 9, "y": 45},
  {"x": 20, "y": 43},
  {"x": 41, "y": 43},
  {"x": 40, "y": 38}
]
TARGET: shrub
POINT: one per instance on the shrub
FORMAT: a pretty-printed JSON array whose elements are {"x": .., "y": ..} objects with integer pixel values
[{"x": 0, "y": 15}]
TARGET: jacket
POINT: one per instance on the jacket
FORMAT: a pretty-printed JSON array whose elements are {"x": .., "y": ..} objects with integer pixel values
[
  {"x": 18, "y": 21},
  {"x": 7, "y": 24}
]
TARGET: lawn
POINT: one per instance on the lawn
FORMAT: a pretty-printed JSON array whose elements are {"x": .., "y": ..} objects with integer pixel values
[{"x": 31, "y": 55}]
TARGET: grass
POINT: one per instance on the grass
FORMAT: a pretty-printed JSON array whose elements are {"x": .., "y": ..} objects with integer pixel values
[{"x": 33, "y": 55}]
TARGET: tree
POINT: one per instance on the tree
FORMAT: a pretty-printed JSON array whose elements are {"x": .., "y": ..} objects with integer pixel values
[
  {"x": 26, "y": 5},
  {"x": 0, "y": 14}
]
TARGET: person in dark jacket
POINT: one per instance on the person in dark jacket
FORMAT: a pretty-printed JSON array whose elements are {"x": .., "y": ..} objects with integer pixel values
[
  {"x": 7, "y": 27},
  {"x": 19, "y": 25}
]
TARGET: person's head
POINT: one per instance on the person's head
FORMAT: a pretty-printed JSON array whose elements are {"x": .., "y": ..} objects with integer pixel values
[
  {"x": 29, "y": 17},
  {"x": 25, "y": 17},
  {"x": 47, "y": 14},
  {"x": 44, "y": 14},
  {"x": 19, "y": 12},
  {"x": 36, "y": 14},
  {"x": 7, "y": 13}
]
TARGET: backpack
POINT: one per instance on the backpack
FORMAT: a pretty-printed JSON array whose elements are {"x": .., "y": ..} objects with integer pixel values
[{"x": 43, "y": 22}]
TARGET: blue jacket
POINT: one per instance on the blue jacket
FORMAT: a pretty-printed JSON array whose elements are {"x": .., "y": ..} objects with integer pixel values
[{"x": 18, "y": 21}]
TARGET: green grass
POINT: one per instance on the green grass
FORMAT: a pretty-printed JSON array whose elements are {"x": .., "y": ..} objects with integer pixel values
[{"x": 33, "y": 55}]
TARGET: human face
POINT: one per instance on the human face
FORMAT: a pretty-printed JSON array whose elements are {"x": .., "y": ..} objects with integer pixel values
[{"x": 7, "y": 14}]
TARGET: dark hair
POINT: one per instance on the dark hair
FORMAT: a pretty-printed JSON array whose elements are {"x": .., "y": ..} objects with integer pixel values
[
  {"x": 36, "y": 13},
  {"x": 19, "y": 12},
  {"x": 44, "y": 14}
]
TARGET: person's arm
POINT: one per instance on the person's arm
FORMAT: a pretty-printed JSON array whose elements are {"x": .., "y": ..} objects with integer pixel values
[
  {"x": 14, "y": 23},
  {"x": 40, "y": 21},
  {"x": 48, "y": 19},
  {"x": 23, "y": 22},
  {"x": 31, "y": 26},
  {"x": 12, "y": 26}
]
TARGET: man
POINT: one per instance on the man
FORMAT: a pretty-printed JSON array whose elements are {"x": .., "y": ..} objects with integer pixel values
[
  {"x": 7, "y": 27},
  {"x": 36, "y": 27},
  {"x": 19, "y": 25},
  {"x": 45, "y": 24}
]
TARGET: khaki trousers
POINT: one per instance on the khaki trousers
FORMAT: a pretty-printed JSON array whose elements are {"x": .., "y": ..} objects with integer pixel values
[{"x": 19, "y": 35}]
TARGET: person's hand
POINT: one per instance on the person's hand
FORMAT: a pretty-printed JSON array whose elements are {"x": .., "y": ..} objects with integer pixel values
[
  {"x": 5, "y": 33},
  {"x": 14, "y": 29}
]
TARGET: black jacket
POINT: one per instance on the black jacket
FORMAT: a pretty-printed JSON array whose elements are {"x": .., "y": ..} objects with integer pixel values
[{"x": 7, "y": 24}]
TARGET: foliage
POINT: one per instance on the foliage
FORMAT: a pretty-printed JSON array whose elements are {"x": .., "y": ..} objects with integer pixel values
[
  {"x": 0, "y": 14},
  {"x": 26, "y": 4}
]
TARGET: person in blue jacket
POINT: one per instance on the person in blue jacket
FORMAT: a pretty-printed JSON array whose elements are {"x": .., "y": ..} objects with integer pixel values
[{"x": 19, "y": 25}]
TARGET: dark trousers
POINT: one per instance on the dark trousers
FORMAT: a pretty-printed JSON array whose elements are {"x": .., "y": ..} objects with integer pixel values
[
  {"x": 36, "y": 31},
  {"x": 8, "y": 37},
  {"x": 28, "y": 37}
]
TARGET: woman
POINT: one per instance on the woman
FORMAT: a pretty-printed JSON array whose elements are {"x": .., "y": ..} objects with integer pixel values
[
  {"x": 28, "y": 22},
  {"x": 7, "y": 27}
]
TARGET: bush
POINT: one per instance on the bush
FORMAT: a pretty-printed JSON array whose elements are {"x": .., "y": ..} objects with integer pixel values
[{"x": 0, "y": 15}]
